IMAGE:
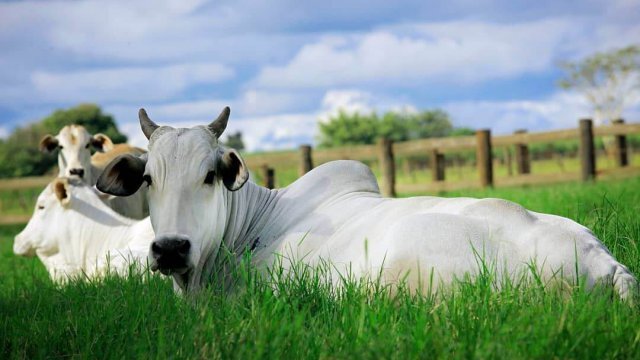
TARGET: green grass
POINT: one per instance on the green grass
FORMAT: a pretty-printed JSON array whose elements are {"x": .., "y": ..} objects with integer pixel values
[
  {"x": 139, "y": 317},
  {"x": 285, "y": 175}
]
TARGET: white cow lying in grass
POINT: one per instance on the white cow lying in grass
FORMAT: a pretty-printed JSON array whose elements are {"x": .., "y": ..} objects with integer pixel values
[
  {"x": 200, "y": 201},
  {"x": 73, "y": 233},
  {"x": 75, "y": 160}
]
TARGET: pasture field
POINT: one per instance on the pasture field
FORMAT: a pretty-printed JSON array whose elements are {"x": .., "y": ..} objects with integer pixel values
[
  {"x": 286, "y": 174},
  {"x": 301, "y": 317}
]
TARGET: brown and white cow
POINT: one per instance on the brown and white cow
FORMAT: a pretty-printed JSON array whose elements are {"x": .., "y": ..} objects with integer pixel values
[{"x": 73, "y": 143}]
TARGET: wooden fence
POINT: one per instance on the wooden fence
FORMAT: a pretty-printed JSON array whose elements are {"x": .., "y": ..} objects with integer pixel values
[
  {"x": 385, "y": 152},
  {"x": 484, "y": 145}
]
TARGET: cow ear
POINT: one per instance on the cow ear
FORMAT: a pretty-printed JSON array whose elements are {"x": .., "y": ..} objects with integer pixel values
[
  {"x": 61, "y": 189},
  {"x": 101, "y": 142},
  {"x": 123, "y": 175},
  {"x": 48, "y": 144},
  {"x": 232, "y": 170}
]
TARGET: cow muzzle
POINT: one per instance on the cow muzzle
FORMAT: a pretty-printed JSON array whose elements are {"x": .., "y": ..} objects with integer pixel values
[
  {"x": 22, "y": 247},
  {"x": 169, "y": 254},
  {"x": 77, "y": 172}
]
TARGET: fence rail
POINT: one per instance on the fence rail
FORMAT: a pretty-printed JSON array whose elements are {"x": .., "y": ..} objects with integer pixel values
[{"x": 483, "y": 144}]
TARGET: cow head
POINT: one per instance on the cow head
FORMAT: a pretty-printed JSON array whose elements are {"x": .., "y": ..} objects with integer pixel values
[
  {"x": 74, "y": 142},
  {"x": 188, "y": 175},
  {"x": 40, "y": 236}
]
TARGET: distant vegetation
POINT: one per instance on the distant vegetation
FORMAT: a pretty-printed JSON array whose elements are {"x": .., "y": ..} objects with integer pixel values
[
  {"x": 607, "y": 80},
  {"x": 234, "y": 140},
  {"x": 19, "y": 153},
  {"x": 358, "y": 129}
]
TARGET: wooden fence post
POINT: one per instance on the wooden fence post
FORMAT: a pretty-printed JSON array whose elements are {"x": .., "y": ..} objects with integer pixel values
[
  {"x": 523, "y": 159},
  {"x": 437, "y": 165},
  {"x": 620, "y": 147},
  {"x": 508, "y": 160},
  {"x": 587, "y": 150},
  {"x": 484, "y": 158},
  {"x": 268, "y": 175},
  {"x": 387, "y": 167},
  {"x": 306, "y": 161}
]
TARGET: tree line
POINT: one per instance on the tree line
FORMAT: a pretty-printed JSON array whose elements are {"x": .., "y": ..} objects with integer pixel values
[{"x": 357, "y": 128}]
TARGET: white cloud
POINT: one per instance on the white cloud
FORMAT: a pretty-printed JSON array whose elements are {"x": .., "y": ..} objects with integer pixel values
[
  {"x": 145, "y": 31},
  {"x": 349, "y": 101},
  {"x": 285, "y": 131},
  {"x": 250, "y": 103},
  {"x": 132, "y": 84},
  {"x": 558, "y": 111},
  {"x": 4, "y": 133},
  {"x": 453, "y": 52},
  {"x": 358, "y": 101}
]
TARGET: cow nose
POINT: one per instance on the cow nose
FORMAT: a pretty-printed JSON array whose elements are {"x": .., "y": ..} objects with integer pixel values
[
  {"x": 79, "y": 172},
  {"x": 170, "y": 253}
]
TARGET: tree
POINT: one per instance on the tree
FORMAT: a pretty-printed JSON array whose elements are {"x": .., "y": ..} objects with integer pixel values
[
  {"x": 20, "y": 154},
  {"x": 235, "y": 141},
  {"x": 348, "y": 129},
  {"x": 608, "y": 81},
  {"x": 88, "y": 115},
  {"x": 352, "y": 129},
  {"x": 462, "y": 131}
]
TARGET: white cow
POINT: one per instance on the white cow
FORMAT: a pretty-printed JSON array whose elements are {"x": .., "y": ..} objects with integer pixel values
[
  {"x": 75, "y": 160},
  {"x": 73, "y": 232},
  {"x": 200, "y": 199}
]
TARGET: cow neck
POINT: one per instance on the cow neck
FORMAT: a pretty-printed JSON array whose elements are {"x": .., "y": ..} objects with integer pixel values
[{"x": 248, "y": 212}]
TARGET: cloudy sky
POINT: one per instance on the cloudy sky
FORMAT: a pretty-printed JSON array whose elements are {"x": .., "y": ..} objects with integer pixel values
[{"x": 282, "y": 65}]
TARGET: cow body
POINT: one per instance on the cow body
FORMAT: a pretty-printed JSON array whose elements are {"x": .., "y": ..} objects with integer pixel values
[
  {"x": 73, "y": 233},
  {"x": 200, "y": 202},
  {"x": 335, "y": 213}
]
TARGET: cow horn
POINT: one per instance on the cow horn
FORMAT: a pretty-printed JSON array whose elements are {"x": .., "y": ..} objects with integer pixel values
[
  {"x": 147, "y": 125},
  {"x": 218, "y": 125}
]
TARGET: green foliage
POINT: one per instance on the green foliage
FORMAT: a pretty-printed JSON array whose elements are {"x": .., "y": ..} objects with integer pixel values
[
  {"x": 19, "y": 154},
  {"x": 235, "y": 141},
  {"x": 606, "y": 79},
  {"x": 302, "y": 317},
  {"x": 354, "y": 129},
  {"x": 462, "y": 131},
  {"x": 88, "y": 115}
]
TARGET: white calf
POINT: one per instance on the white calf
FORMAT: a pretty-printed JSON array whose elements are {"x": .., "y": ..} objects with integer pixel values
[{"x": 73, "y": 232}]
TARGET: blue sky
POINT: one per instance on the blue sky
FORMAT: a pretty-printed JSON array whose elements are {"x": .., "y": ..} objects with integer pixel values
[{"x": 283, "y": 66}]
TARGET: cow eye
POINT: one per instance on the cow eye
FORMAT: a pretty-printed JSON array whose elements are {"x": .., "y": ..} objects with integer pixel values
[
  {"x": 147, "y": 179},
  {"x": 209, "y": 178},
  {"x": 40, "y": 207},
  {"x": 87, "y": 146}
]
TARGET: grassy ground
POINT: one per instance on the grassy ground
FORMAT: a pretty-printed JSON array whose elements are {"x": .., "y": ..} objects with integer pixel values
[
  {"x": 285, "y": 175},
  {"x": 139, "y": 317}
]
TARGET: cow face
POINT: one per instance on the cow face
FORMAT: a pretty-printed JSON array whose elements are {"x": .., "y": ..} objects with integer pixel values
[
  {"x": 74, "y": 142},
  {"x": 189, "y": 176},
  {"x": 41, "y": 233}
]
